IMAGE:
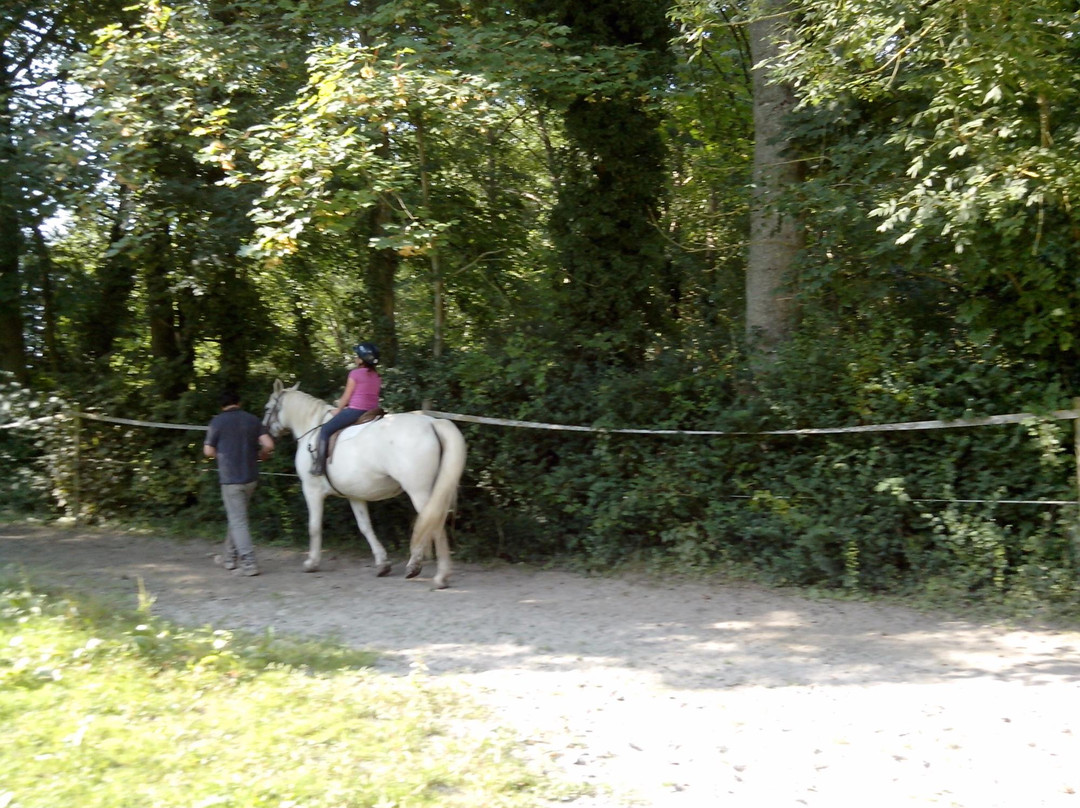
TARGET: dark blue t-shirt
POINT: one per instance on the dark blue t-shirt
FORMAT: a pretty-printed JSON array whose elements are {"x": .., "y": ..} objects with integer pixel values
[{"x": 235, "y": 436}]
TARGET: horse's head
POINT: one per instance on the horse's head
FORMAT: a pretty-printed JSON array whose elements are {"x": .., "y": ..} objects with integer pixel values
[{"x": 272, "y": 414}]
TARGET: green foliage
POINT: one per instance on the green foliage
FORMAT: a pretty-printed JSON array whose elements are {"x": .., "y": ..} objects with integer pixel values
[
  {"x": 613, "y": 277},
  {"x": 29, "y": 429},
  {"x": 962, "y": 115},
  {"x": 878, "y": 513},
  {"x": 542, "y": 194}
]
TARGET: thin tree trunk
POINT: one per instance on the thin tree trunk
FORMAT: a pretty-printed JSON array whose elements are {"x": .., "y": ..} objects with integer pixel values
[
  {"x": 380, "y": 278},
  {"x": 236, "y": 306},
  {"x": 48, "y": 302},
  {"x": 12, "y": 338},
  {"x": 776, "y": 235},
  {"x": 306, "y": 362},
  {"x": 438, "y": 304}
]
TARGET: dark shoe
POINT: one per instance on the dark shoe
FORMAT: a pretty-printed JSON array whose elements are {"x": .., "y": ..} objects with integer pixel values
[
  {"x": 248, "y": 567},
  {"x": 318, "y": 466},
  {"x": 228, "y": 556}
]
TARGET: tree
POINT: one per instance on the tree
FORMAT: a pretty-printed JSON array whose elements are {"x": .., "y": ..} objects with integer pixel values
[
  {"x": 710, "y": 129},
  {"x": 740, "y": 44},
  {"x": 612, "y": 286},
  {"x": 12, "y": 342},
  {"x": 395, "y": 143},
  {"x": 978, "y": 115},
  {"x": 35, "y": 40},
  {"x": 160, "y": 88},
  {"x": 776, "y": 231}
]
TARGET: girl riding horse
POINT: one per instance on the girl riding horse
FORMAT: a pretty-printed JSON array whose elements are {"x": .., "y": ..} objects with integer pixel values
[{"x": 361, "y": 394}]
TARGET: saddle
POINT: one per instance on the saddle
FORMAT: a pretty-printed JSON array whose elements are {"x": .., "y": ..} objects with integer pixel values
[{"x": 374, "y": 414}]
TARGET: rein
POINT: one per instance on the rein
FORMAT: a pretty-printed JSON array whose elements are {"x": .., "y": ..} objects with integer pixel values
[
  {"x": 301, "y": 437},
  {"x": 275, "y": 412}
]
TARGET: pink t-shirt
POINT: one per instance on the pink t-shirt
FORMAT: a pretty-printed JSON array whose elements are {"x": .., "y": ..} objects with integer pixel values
[{"x": 365, "y": 395}]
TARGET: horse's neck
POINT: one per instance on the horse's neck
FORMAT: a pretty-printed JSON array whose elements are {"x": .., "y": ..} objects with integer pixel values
[{"x": 306, "y": 412}]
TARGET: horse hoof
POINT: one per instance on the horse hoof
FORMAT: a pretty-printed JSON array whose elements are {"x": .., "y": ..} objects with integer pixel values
[
  {"x": 311, "y": 566},
  {"x": 412, "y": 570},
  {"x": 382, "y": 571},
  {"x": 440, "y": 584}
]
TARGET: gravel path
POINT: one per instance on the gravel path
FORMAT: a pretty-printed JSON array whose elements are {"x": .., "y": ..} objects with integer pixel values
[{"x": 667, "y": 695}]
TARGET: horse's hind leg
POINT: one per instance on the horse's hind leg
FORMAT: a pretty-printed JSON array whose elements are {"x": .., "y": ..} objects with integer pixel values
[
  {"x": 442, "y": 553},
  {"x": 417, "y": 544},
  {"x": 416, "y": 560},
  {"x": 423, "y": 538},
  {"x": 363, "y": 521}
]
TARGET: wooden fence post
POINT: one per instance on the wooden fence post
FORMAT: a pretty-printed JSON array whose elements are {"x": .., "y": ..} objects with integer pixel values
[
  {"x": 77, "y": 481},
  {"x": 1076, "y": 458}
]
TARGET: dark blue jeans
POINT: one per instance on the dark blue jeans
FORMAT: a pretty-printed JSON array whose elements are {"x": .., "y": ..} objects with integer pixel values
[{"x": 347, "y": 417}]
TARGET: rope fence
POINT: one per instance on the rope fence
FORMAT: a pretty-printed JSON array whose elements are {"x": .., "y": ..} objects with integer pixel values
[{"x": 908, "y": 426}]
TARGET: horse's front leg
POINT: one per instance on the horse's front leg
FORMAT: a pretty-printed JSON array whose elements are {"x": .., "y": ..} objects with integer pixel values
[
  {"x": 363, "y": 521},
  {"x": 315, "y": 501}
]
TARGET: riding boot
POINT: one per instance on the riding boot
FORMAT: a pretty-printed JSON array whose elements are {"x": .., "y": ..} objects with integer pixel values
[{"x": 318, "y": 467}]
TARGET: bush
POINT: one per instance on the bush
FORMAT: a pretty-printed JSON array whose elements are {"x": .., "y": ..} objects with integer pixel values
[{"x": 862, "y": 512}]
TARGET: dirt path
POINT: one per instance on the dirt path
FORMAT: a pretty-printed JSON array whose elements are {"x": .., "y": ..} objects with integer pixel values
[{"x": 672, "y": 696}]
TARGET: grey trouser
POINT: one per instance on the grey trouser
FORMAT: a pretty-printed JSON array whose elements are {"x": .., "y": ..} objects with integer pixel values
[{"x": 236, "y": 498}]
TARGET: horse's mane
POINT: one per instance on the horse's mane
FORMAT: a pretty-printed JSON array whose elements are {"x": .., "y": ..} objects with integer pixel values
[{"x": 304, "y": 406}]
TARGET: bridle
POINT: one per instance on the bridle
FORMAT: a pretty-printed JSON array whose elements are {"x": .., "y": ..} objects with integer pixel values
[
  {"x": 272, "y": 413},
  {"x": 272, "y": 419}
]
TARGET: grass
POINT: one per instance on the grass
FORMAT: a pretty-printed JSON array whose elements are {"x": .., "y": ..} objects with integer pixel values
[{"x": 110, "y": 709}]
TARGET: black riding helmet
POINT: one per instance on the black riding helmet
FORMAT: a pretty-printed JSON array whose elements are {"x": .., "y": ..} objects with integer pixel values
[{"x": 368, "y": 353}]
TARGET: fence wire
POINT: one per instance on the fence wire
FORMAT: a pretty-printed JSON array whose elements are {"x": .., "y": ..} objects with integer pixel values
[{"x": 905, "y": 426}]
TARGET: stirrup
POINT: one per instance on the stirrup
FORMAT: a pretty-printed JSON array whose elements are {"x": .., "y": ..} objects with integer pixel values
[{"x": 318, "y": 465}]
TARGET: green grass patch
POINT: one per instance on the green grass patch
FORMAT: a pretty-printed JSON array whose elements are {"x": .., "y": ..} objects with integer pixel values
[{"x": 113, "y": 710}]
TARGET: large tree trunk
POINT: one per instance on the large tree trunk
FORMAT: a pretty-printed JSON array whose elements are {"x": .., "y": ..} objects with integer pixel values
[
  {"x": 12, "y": 339},
  {"x": 613, "y": 257},
  {"x": 108, "y": 313},
  {"x": 172, "y": 371},
  {"x": 379, "y": 278},
  {"x": 776, "y": 234},
  {"x": 236, "y": 304},
  {"x": 611, "y": 287}
]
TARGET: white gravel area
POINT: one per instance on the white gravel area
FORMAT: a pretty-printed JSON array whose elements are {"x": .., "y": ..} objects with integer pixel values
[{"x": 663, "y": 694}]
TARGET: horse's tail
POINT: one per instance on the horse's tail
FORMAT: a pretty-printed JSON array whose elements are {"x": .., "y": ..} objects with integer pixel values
[{"x": 432, "y": 518}]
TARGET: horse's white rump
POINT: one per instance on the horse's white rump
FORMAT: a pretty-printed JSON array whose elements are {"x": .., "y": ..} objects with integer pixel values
[{"x": 410, "y": 452}]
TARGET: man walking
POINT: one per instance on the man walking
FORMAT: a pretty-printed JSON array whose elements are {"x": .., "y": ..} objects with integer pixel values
[{"x": 238, "y": 440}]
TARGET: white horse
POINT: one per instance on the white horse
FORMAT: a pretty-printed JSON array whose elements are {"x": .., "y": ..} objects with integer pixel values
[{"x": 410, "y": 452}]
